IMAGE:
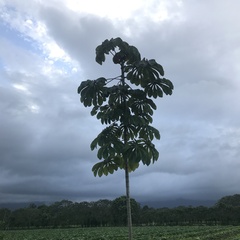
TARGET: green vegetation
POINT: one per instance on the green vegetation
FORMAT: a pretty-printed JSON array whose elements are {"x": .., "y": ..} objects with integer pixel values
[
  {"x": 107, "y": 213},
  {"x": 119, "y": 233},
  {"x": 125, "y": 104},
  {"x": 230, "y": 201}
]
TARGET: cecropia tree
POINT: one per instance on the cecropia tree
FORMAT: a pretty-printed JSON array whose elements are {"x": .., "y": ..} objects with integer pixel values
[{"x": 124, "y": 103}]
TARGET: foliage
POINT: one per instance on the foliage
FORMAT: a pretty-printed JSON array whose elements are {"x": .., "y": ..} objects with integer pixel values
[
  {"x": 112, "y": 213},
  {"x": 229, "y": 201},
  {"x": 119, "y": 233},
  {"x": 126, "y": 107},
  {"x": 119, "y": 211}
]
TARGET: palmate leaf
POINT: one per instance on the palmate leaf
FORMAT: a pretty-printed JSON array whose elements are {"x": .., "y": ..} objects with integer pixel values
[
  {"x": 139, "y": 102},
  {"x": 112, "y": 164},
  {"x": 139, "y": 107},
  {"x": 135, "y": 151},
  {"x": 144, "y": 71},
  {"x": 153, "y": 89},
  {"x": 93, "y": 92},
  {"x": 128, "y": 131},
  {"x": 134, "y": 120},
  {"x": 146, "y": 118},
  {"x": 153, "y": 154},
  {"x": 141, "y": 151},
  {"x": 103, "y": 49},
  {"x": 131, "y": 53},
  {"x": 159, "y": 86},
  {"x": 166, "y": 86},
  {"x": 148, "y": 132},
  {"x": 108, "y": 135},
  {"x": 117, "y": 94},
  {"x": 156, "y": 66},
  {"x": 109, "y": 148},
  {"x": 108, "y": 114},
  {"x": 132, "y": 166},
  {"x": 138, "y": 120},
  {"x": 114, "y": 110},
  {"x": 104, "y": 167}
]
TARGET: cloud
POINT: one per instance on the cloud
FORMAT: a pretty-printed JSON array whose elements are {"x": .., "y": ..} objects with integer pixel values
[{"x": 48, "y": 49}]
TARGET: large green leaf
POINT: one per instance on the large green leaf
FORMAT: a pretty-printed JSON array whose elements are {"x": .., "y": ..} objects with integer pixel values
[
  {"x": 159, "y": 86},
  {"x": 166, "y": 86},
  {"x": 93, "y": 92},
  {"x": 131, "y": 53},
  {"x": 148, "y": 132},
  {"x": 153, "y": 154},
  {"x": 141, "y": 151},
  {"x": 132, "y": 166},
  {"x": 109, "y": 133},
  {"x": 144, "y": 71},
  {"x": 109, "y": 113},
  {"x": 156, "y": 66},
  {"x": 141, "y": 106},
  {"x": 103, "y": 49},
  {"x": 135, "y": 151},
  {"x": 104, "y": 167},
  {"x": 128, "y": 131}
]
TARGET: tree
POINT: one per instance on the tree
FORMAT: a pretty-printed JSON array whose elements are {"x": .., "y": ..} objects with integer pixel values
[
  {"x": 4, "y": 218},
  {"x": 118, "y": 210},
  {"x": 124, "y": 104},
  {"x": 233, "y": 201},
  {"x": 102, "y": 212}
]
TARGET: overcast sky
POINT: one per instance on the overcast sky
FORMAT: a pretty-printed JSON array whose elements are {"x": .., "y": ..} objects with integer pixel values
[{"x": 48, "y": 47}]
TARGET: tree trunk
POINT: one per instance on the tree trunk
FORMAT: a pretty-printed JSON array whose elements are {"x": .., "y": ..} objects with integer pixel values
[{"x": 129, "y": 214}]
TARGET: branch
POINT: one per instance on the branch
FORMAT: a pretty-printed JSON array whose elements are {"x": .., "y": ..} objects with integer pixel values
[{"x": 111, "y": 79}]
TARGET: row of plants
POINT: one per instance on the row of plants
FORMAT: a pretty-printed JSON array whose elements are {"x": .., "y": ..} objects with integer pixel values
[{"x": 119, "y": 233}]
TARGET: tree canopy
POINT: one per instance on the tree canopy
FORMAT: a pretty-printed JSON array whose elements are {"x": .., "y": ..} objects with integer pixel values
[
  {"x": 126, "y": 107},
  {"x": 229, "y": 201}
]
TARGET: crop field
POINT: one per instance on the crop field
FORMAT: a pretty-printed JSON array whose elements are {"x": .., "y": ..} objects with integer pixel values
[{"x": 118, "y": 233}]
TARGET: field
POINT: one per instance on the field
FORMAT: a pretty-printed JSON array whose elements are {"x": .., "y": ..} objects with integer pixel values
[{"x": 117, "y": 233}]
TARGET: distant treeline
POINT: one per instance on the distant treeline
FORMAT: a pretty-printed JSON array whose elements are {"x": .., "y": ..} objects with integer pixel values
[{"x": 113, "y": 213}]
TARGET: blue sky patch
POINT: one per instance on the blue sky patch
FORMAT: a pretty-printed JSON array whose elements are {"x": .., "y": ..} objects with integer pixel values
[{"x": 18, "y": 39}]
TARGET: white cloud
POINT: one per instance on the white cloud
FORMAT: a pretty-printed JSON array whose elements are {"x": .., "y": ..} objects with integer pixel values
[
  {"x": 34, "y": 31},
  {"x": 21, "y": 88},
  {"x": 107, "y": 8},
  {"x": 122, "y": 10}
]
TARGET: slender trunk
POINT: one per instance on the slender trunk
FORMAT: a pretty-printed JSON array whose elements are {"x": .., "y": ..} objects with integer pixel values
[
  {"x": 129, "y": 213},
  {"x": 128, "y": 202}
]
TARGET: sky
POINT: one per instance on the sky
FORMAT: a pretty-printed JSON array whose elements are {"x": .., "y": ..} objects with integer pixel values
[{"x": 48, "y": 47}]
